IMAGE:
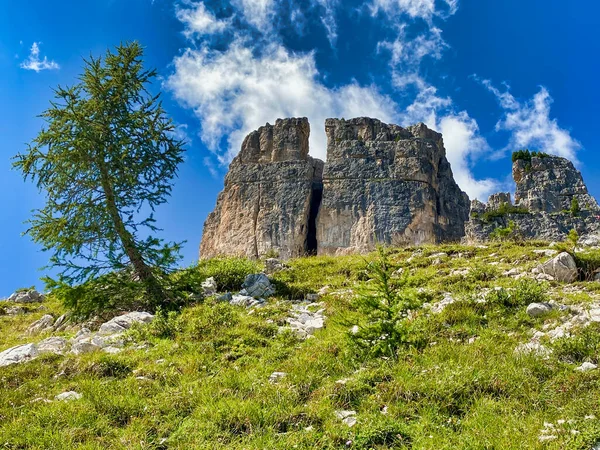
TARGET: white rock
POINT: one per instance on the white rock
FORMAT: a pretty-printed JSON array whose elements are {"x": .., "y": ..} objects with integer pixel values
[
  {"x": 538, "y": 309},
  {"x": 40, "y": 325},
  {"x": 546, "y": 252},
  {"x": 68, "y": 396},
  {"x": 53, "y": 344},
  {"x": 355, "y": 329},
  {"x": 586, "y": 366},
  {"x": 562, "y": 268},
  {"x": 242, "y": 300},
  {"x": 347, "y": 417},
  {"x": 438, "y": 307},
  {"x": 121, "y": 323},
  {"x": 209, "y": 287},
  {"x": 81, "y": 347},
  {"x": 15, "y": 311},
  {"x": 277, "y": 376},
  {"x": 18, "y": 354},
  {"x": 31, "y": 296},
  {"x": 112, "y": 350}
]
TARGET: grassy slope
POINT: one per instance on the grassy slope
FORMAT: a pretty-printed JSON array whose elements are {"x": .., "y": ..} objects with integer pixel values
[{"x": 206, "y": 385}]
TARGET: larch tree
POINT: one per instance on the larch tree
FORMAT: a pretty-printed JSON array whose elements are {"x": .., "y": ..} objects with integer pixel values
[{"x": 105, "y": 160}]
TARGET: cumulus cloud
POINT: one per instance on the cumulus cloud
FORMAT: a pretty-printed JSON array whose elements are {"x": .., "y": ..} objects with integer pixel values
[
  {"x": 235, "y": 91},
  {"x": 462, "y": 140},
  {"x": 258, "y": 13},
  {"x": 199, "y": 21},
  {"x": 530, "y": 124},
  {"x": 33, "y": 61}
]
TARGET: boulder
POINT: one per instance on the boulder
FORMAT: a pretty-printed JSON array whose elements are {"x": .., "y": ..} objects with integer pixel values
[
  {"x": 43, "y": 324},
  {"x": 561, "y": 268},
  {"x": 586, "y": 366},
  {"x": 538, "y": 309},
  {"x": 257, "y": 286},
  {"x": 121, "y": 323},
  {"x": 81, "y": 347},
  {"x": 209, "y": 287},
  {"x": 29, "y": 296},
  {"x": 56, "y": 345},
  {"x": 18, "y": 354},
  {"x": 273, "y": 265}
]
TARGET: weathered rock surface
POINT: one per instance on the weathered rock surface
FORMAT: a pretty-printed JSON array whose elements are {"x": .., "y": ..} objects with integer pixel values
[
  {"x": 549, "y": 184},
  {"x": 561, "y": 268},
  {"x": 546, "y": 186},
  {"x": 31, "y": 296},
  {"x": 18, "y": 354},
  {"x": 121, "y": 323},
  {"x": 538, "y": 309},
  {"x": 266, "y": 202},
  {"x": 257, "y": 286},
  {"x": 43, "y": 324},
  {"x": 384, "y": 183}
]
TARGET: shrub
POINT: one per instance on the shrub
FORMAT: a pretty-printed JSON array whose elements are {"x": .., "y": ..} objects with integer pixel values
[
  {"x": 229, "y": 274},
  {"x": 525, "y": 292},
  {"x": 575, "y": 209},
  {"x": 385, "y": 326},
  {"x": 587, "y": 263},
  {"x": 526, "y": 155},
  {"x": 505, "y": 233},
  {"x": 503, "y": 210}
]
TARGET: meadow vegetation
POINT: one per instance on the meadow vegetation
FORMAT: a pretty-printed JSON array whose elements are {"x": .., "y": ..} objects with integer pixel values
[{"x": 198, "y": 376}]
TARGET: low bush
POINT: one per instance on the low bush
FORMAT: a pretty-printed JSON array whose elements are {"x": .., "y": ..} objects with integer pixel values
[{"x": 583, "y": 346}]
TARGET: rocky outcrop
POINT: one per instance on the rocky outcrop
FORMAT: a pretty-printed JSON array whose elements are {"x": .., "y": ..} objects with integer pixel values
[
  {"x": 387, "y": 184},
  {"x": 546, "y": 187},
  {"x": 265, "y": 206},
  {"x": 549, "y": 184}
]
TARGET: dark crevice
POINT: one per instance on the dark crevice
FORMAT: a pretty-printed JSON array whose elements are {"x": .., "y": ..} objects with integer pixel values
[{"x": 315, "y": 203}]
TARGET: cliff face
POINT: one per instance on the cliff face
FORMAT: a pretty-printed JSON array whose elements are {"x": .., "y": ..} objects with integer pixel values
[
  {"x": 266, "y": 202},
  {"x": 381, "y": 183},
  {"x": 384, "y": 183},
  {"x": 549, "y": 184},
  {"x": 546, "y": 187}
]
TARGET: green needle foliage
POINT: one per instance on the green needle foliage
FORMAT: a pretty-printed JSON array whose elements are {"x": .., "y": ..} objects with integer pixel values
[
  {"x": 385, "y": 308},
  {"x": 105, "y": 160}
]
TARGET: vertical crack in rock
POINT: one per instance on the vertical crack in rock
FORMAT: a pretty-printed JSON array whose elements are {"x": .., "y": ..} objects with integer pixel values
[
  {"x": 274, "y": 172},
  {"x": 315, "y": 204}
]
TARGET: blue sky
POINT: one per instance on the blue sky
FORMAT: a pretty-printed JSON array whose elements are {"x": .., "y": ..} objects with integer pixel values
[{"x": 493, "y": 76}]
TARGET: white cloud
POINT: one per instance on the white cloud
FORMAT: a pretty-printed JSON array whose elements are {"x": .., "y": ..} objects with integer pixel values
[
  {"x": 530, "y": 124},
  {"x": 33, "y": 61},
  {"x": 462, "y": 140},
  {"x": 258, "y": 13},
  {"x": 416, "y": 9},
  {"x": 235, "y": 91},
  {"x": 198, "y": 20},
  {"x": 328, "y": 18}
]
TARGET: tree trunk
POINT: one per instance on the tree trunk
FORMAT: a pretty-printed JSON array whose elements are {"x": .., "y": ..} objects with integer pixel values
[{"x": 141, "y": 269}]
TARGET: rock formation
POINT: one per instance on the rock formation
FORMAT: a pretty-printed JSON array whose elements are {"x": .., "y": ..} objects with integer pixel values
[
  {"x": 266, "y": 203},
  {"x": 384, "y": 183},
  {"x": 381, "y": 183},
  {"x": 546, "y": 189}
]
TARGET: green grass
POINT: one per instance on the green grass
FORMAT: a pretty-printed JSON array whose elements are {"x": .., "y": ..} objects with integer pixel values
[{"x": 201, "y": 379}]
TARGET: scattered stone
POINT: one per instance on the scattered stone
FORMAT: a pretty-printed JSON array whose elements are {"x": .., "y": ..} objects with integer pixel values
[
  {"x": 246, "y": 301},
  {"x": 586, "y": 366},
  {"x": 61, "y": 322},
  {"x": 533, "y": 348},
  {"x": 562, "y": 268},
  {"x": 18, "y": 354},
  {"x": 226, "y": 297},
  {"x": 112, "y": 350},
  {"x": 538, "y": 309},
  {"x": 56, "y": 345},
  {"x": 355, "y": 329},
  {"x": 277, "y": 376},
  {"x": 43, "y": 324},
  {"x": 258, "y": 286},
  {"x": 548, "y": 252},
  {"x": 31, "y": 296},
  {"x": 512, "y": 272},
  {"x": 209, "y": 287},
  {"x": 324, "y": 290},
  {"x": 15, "y": 311},
  {"x": 124, "y": 322},
  {"x": 79, "y": 348},
  {"x": 68, "y": 396},
  {"x": 438, "y": 307},
  {"x": 273, "y": 265},
  {"x": 304, "y": 322},
  {"x": 347, "y": 417},
  {"x": 312, "y": 297}
]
